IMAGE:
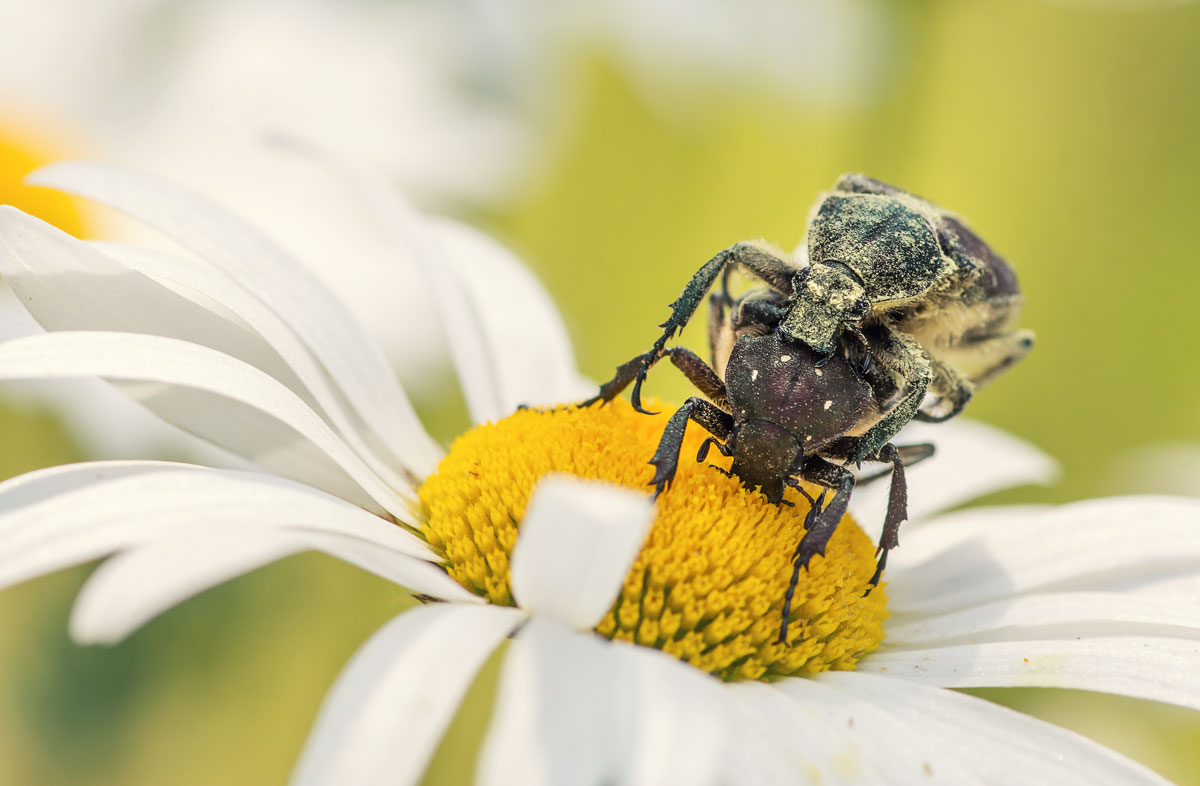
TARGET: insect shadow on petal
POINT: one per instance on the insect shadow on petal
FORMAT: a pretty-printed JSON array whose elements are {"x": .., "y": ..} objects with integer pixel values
[{"x": 899, "y": 313}]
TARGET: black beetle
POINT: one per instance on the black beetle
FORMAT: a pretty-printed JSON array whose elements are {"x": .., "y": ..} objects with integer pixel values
[{"x": 821, "y": 368}]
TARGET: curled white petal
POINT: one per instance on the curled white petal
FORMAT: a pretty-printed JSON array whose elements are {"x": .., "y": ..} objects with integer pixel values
[
  {"x": 523, "y": 331},
  {"x": 412, "y": 235},
  {"x": 386, "y": 714},
  {"x": 576, "y": 544},
  {"x": 67, "y": 515},
  {"x": 241, "y": 406},
  {"x": 339, "y": 343},
  {"x": 312, "y": 383},
  {"x": 135, "y": 586}
]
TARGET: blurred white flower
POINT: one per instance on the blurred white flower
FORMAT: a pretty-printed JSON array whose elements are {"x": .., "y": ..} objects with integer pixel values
[
  {"x": 242, "y": 346},
  {"x": 452, "y": 100},
  {"x": 1161, "y": 468}
]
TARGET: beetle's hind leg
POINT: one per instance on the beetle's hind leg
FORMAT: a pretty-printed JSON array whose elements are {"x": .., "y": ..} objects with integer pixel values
[
  {"x": 897, "y": 509},
  {"x": 910, "y": 455},
  {"x": 717, "y": 421},
  {"x": 820, "y": 523}
]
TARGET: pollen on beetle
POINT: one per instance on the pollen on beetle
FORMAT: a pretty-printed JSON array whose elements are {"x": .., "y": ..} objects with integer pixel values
[{"x": 709, "y": 583}]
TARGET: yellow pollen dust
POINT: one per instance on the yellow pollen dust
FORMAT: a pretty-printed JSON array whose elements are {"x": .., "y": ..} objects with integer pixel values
[{"x": 709, "y": 583}]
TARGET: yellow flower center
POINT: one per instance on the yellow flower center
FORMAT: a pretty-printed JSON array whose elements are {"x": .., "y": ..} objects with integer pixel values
[
  {"x": 21, "y": 151},
  {"x": 709, "y": 583}
]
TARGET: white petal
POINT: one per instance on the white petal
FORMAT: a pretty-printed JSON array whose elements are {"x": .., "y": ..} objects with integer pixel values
[
  {"x": 972, "y": 459},
  {"x": 681, "y": 723},
  {"x": 1161, "y": 669},
  {"x": 354, "y": 362},
  {"x": 386, "y": 714},
  {"x": 133, "y": 587},
  {"x": 311, "y": 381},
  {"x": 998, "y": 744},
  {"x": 248, "y": 410},
  {"x": 577, "y": 542},
  {"x": 66, "y": 515},
  {"x": 977, "y": 556},
  {"x": 772, "y": 752},
  {"x": 1056, "y": 615},
  {"x": 874, "y": 747},
  {"x": 67, "y": 285},
  {"x": 563, "y": 711},
  {"x": 413, "y": 236},
  {"x": 524, "y": 334}
]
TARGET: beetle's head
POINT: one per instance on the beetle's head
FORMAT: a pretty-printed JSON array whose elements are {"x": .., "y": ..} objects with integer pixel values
[
  {"x": 825, "y": 296},
  {"x": 763, "y": 454}
]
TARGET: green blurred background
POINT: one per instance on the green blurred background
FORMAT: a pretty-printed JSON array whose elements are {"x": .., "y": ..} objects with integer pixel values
[{"x": 1069, "y": 135}]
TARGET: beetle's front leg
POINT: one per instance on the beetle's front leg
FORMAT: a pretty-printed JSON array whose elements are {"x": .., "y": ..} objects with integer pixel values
[
  {"x": 820, "y": 524},
  {"x": 666, "y": 459},
  {"x": 687, "y": 361},
  {"x": 900, "y": 352},
  {"x": 625, "y": 374},
  {"x": 768, "y": 264}
]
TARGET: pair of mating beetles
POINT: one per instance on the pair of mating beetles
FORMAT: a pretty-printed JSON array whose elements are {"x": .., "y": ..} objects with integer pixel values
[{"x": 899, "y": 313}]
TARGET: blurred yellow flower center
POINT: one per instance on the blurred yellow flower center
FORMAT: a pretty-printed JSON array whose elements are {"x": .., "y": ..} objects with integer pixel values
[
  {"x": 709, "y": 583},
  {"x": 22, "y": 151}
]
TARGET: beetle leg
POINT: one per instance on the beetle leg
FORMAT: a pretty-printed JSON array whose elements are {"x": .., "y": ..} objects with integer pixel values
[
  {"x": 625, "y": 374},
  {"x": 864, "y": 347},
  {"x": 950, "y": 387},
  {"x": 700, "y": 375},
  {"x": 819, "y": 526},
  {"x": 902, "y": 353},
  {"x": 795, "y": 483},
  {"x": 720, "y": 332},
  {"x": 712, "y": 442},
  {"x": 909, "y": 455},
  {"x": 974, "y": 362},
  {"x": 772, "y": 266},
  {"x": 897, "y": 510},
  {"x": 666, "y": 459},
  {"x": 759, "y": 312},
  {"x": 817, "y": 505},
  {"x": 692, "y": 366}
]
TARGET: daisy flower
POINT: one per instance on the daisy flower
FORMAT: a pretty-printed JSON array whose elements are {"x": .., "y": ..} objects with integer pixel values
[
  {"x": 453, "y": 100},
  {"x": 638, "y": 639}
]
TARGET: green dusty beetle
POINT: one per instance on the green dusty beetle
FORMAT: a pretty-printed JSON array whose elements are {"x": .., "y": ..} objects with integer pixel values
[{"x": 899, "y": 314}]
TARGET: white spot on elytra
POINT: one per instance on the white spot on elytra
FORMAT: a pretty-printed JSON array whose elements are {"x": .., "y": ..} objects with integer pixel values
[
  {"x": 753, "y": 375},
  {"x": 818, "y": 371},
  {"x": 807, "y": 437},
  {"x": 785, "y": 358},
  {"x": 828, "y": 403}
]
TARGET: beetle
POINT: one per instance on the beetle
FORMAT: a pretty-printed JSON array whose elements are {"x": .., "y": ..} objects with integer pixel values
[
  {"x": 900, "y": 312},
  {"x": 785, "y": 413},
  {"x": 940, "y": 300}
]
